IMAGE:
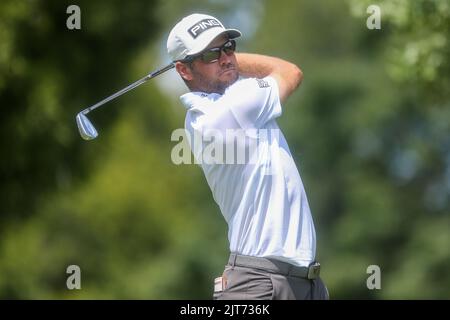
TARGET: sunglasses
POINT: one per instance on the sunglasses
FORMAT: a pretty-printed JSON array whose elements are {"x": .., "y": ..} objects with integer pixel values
[{"x": 213, "y": 54}]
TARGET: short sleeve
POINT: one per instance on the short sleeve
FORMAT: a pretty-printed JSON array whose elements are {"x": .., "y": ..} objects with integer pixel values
[{"x": 253, "y": 102}]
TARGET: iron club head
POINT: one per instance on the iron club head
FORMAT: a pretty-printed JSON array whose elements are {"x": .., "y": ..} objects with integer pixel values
[{"x": 87, "y": 130}]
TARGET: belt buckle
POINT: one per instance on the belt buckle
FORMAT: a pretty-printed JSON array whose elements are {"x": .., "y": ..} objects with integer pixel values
[{"x": 314, "y": 271}]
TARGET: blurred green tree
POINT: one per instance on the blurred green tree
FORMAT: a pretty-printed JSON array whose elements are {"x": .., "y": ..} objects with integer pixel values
[
  {"x": 48, "y": 73},
  {"x": 370, "y": 130}
]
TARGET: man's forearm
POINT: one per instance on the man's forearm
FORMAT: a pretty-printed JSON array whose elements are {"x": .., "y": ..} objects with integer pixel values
[
  {"x": 287, "y": 74},
  {"x": 256, "y": 65}
]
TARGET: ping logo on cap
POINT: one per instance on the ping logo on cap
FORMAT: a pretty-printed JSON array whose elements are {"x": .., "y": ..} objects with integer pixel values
[{"x": 202, "y": 26}]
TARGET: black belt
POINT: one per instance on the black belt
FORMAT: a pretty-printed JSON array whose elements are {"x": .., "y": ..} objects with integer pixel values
[{"x": 275, "y": 266}]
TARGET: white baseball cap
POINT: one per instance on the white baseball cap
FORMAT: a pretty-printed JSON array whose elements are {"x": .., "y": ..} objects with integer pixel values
[{"x": 194, "y": 33}]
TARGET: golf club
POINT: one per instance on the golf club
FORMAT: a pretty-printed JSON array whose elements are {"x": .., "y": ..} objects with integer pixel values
[{"x": 86, "y": 128}]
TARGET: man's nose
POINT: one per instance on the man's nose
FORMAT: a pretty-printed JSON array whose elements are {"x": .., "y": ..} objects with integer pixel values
[{"x": 224, "y": 58}]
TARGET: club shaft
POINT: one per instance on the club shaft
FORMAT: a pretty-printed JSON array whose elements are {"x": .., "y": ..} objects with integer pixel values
[{"x": 130, "y": 87}]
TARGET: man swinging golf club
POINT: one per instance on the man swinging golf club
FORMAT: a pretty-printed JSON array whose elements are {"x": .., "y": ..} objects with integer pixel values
[{"x": 271, "y": 231}]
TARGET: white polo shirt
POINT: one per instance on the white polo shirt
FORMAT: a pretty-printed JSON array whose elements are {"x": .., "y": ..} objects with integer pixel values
[{"x": 260, "y": 194}]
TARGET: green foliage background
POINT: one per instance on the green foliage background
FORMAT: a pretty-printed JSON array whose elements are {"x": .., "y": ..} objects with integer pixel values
[{"x": 369, "y": 128}]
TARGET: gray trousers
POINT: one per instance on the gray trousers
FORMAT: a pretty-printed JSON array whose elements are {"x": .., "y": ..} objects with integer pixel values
[{"x": 252, "y": 278}]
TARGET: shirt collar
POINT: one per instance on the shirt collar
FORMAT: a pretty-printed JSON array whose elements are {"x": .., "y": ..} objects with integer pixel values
[{"x": 191, "y": 98}]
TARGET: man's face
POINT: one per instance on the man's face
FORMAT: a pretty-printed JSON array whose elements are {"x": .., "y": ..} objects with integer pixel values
[{"x": 213, "y": 77}]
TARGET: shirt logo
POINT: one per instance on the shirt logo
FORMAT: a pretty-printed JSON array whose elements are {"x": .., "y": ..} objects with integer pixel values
[
  {"x": 201, "y": 26},
  {"x": 262, "y": 83}
]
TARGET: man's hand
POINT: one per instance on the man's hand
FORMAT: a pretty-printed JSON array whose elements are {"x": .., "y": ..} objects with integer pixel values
[{"x": 287, "y": 75}]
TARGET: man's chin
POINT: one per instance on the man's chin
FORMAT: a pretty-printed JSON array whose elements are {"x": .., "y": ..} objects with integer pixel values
[
  {"x": 230, "y": 77},
  {"x": 225, "y": 80}
]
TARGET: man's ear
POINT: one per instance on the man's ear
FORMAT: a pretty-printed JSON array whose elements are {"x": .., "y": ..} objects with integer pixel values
[{"x": 184, "y": 70}]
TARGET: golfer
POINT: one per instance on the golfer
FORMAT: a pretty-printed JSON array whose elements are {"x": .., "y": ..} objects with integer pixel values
[{"x": 270, "y": 228}]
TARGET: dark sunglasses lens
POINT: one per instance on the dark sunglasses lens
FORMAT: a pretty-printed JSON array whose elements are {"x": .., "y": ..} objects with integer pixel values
[
  {"x": 229, "y": 47},
  {"x": 214, "y": 54},
  {"x": 210, "y": 56}
]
